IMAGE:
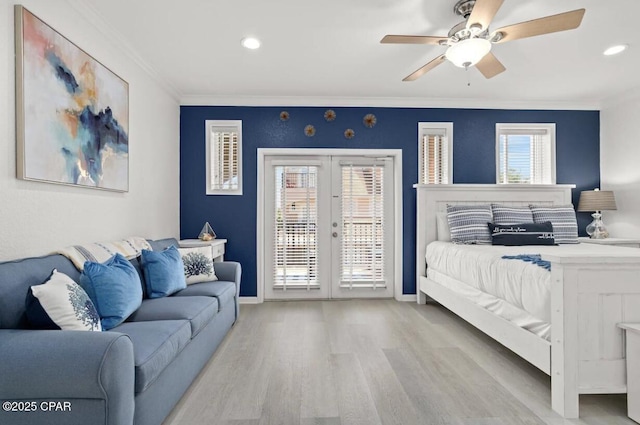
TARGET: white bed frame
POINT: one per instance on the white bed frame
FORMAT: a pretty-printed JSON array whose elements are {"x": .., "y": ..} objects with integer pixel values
[{"x": 590, "y": 295}]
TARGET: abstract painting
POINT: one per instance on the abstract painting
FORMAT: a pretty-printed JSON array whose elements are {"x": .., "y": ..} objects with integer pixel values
[{"x": 72, "y": 113}]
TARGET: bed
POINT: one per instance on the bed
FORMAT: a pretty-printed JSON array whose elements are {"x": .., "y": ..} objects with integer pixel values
[{"x": 591, "y": 288}]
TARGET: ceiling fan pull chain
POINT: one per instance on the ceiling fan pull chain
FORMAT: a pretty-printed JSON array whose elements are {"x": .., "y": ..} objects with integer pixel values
[{"x": 466, "y": 71}]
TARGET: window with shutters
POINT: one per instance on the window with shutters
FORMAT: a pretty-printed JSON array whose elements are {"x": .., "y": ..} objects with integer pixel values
[
  {"x": 525, "y": 153},
  {"x": 296, "y": 218},
  {"x": 435, "y": 164},
  {"x": 224, "y": 157}
]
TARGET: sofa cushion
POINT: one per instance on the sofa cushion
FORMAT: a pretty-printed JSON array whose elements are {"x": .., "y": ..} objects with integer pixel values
[
  {"x": 15, "y": 279},
  {"x": 135, "y": 262},
  {"x": 223, "y": 290},
  {"x": 197, "y": 310},
  {"x": 155, "y": 345},
  {"x": 60, "y": 303},
  {"x": 163, "y": 272},
  {"x": 114, "y": 287},
  {"x": 161, "y": 244}
]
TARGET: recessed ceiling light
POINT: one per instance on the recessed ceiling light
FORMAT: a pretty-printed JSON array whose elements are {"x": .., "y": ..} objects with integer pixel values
[
  {"x": 614, "y": 50},
  {"x": 250, "y": 43}
]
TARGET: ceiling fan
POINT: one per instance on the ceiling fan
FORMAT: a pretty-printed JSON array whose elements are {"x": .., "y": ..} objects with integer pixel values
[{"x": 469, "y": 42}]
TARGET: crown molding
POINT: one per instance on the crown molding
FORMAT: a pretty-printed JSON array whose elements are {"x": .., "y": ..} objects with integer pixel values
[
  {"x": 388, "y": 102},
  {"x": 91, "y": 14}
]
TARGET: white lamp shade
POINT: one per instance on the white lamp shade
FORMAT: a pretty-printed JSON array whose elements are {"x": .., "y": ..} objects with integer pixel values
[{"x": 468, "y": 52}]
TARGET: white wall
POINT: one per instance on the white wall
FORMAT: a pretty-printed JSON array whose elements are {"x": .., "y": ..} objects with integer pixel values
[
  {"x": 36, "y": 218},
  {"x": 620, "y": 163}
]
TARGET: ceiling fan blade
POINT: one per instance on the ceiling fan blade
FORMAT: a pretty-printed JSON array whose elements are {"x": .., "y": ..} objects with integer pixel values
[
  {"x": 561, "y": 22},
  {"x": 483, "y": 12},
  {"x": 412, "y": 39},
  {"x": 490, "y": 66},
  {"x": 428, "y": 67}
]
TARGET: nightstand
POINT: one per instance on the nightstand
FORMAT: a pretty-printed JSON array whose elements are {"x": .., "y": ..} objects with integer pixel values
[
  {"x": 217, "y": 246},
  {"x": 632, "y": 243}
]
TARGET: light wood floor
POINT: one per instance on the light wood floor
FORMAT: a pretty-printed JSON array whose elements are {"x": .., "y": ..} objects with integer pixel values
[{"x": 371, "y": 362}]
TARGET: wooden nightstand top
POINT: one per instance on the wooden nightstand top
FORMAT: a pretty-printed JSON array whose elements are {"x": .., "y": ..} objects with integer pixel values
[{"x": 190, "y": 243}]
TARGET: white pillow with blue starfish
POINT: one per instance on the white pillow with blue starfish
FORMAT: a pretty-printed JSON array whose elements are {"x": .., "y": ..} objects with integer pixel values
[
  {"x": 198, "y": 264},
  {"x": 66, "y": 303}
]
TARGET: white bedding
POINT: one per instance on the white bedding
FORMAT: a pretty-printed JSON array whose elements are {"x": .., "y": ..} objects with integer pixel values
[{"x": 516, "y": 290}]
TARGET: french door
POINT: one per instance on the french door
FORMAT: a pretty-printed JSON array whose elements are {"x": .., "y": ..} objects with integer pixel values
[{"x": 328, "y": 227}]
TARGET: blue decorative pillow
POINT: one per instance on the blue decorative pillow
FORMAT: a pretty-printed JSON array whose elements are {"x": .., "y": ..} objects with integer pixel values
[
  {"x": 505, "y": 214},
  {"x": 468, "y": 223},
  {"x": 522, "y": 234},
  {"x": 60, "y": 303},
  {"x": 114, "y": 287},
  {"x": 163, "y": 272},
  {"x": 563, "y": 219}
]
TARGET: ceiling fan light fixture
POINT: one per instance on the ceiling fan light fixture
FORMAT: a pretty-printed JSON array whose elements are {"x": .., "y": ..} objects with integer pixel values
[
  {"x": 614, "y": 50},
  {"x": 250, "y": 43},
  {"x": 468, "y": 52}
]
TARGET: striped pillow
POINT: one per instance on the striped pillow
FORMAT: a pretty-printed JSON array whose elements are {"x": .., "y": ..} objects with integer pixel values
[
  {"x": 563, "y": 218},
  {"x": 504, "y": 214},
  {"x": 468, "y": 223}
]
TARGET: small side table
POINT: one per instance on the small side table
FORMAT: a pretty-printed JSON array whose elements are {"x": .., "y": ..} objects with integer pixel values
[
  {"x": 633, "y": 243},
  {"x": 633, "y": 369},
  {"x": 217, "y": 246}
]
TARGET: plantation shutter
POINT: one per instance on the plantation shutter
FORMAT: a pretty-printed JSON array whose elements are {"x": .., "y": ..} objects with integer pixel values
[
  {"x": 434, "y": 166},
  {"x": 525, "y": 156},
  {"x": 296, "y": 218},
  {"x": 224, "y": 160},
  {"x": 363, "y": 250}
]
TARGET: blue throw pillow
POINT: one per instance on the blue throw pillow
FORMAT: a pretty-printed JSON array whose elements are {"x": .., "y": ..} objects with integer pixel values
[
  {"x": 522, "y": 234},
  {"x": 468, "y": 223},
  {"x": 114, "y": 287},
  {"x": 563, "y": 219},
  {"x": 163, "y": 272}
]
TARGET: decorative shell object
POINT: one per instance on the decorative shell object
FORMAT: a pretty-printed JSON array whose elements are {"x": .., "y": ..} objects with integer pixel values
[
  {"x": 369, "y": 120},
  {"x": 349, "y": 133},
  {"x": 207, "y": 233},
  {"x": 310, "y": 131},
  {"x": 284, "y": 116},
  {"x": 329, "y": 115}
]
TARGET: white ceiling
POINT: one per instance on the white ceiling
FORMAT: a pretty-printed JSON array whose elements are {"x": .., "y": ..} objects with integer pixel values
[{"x": 329, "y": 51}]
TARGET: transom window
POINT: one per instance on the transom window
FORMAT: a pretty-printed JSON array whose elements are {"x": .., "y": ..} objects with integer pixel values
[
  {"x": 434, "y": 152},
  {"x": 526, "y": 153},
  {"x": 224, "y": 157}
]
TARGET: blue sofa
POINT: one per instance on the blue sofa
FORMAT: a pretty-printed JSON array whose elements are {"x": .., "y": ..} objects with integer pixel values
[{"x": 132, "y": 374}]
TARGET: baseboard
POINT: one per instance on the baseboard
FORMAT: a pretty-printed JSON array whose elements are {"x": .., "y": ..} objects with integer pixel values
[
  {"x": 411, "y": 298},
  {"x": 249, "y": 300},
  {"x": 408, "y": 298}
]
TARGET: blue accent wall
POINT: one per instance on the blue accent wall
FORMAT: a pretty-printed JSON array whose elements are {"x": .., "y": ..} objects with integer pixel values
[{"x": 234, "y": 217}]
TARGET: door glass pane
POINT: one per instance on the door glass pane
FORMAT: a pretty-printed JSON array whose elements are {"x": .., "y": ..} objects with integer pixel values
[
  {"x": 363, "y": 245},
  {"x": 296, "y": 218}
]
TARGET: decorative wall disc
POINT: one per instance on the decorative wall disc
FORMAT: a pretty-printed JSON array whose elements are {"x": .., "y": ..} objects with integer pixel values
[
  {"x": 369, "y": 120},
  {"x": 284, "y": 116},
  {"x": 329, "y": 115},
  {"x": 310, "y": 131},
  {"x": 349, "y": 133}
]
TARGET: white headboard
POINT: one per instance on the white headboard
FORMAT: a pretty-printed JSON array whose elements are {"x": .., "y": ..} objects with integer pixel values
[{"x": 433, "y": 198}]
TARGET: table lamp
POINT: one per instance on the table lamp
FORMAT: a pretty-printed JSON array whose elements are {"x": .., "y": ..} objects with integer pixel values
[{"x": 597, "y": 200}]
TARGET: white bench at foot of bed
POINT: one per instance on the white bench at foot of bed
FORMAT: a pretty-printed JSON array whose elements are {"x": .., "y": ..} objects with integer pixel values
[{"x": 590, "y": 295}]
